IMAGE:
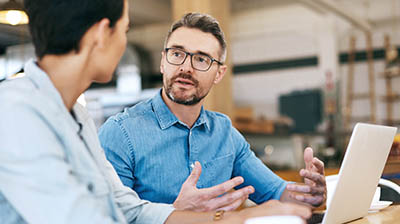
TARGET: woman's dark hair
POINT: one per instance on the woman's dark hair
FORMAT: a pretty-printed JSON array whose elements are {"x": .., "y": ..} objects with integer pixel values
[{"x": 57, "y": 26}]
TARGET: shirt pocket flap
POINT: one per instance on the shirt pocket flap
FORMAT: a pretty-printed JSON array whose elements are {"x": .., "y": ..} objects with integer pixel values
[
  {"x": 216, "y": 171},
  {"x": 95, "y": 183}
]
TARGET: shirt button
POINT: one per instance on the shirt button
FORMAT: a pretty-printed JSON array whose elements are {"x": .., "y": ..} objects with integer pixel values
[
  {"x": 192, "y": 165},
  {"x": 90, "y": 187}
]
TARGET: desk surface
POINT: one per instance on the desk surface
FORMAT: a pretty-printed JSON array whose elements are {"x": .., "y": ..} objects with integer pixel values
[{"x": 388, "y": 215}]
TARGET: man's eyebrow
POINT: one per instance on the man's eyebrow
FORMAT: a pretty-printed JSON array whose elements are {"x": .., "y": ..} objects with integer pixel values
[
  {"x": 178, "y": 46},
  {"x": 197, "y": 52},
  {"x": 204, "y": 53}
]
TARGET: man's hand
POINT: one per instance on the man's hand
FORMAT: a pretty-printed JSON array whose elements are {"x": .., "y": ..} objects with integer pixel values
[
  {"x": 207, "y": 199},
  {"x": 313, "y": 191}
]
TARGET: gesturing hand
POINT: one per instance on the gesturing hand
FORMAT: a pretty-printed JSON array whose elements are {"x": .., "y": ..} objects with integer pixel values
[
  {"x": 313, "y": 191},
  {"x": 207, "y": 199}
]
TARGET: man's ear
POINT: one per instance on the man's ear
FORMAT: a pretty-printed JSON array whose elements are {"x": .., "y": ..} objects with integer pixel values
[
  {"x": 220, "y": 73},
  {"x": 162, "y": 62}
]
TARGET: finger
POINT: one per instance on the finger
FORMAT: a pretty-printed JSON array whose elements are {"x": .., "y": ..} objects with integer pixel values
[
  {"x": 313, "y": 176},
  {"x": 231, "y": 197},
  {"x": 314, "y": 200},
  {"x": 302, "y": 188},
  {"x": 194, "y": 175},
  {"x": 319, "y": 165},
  {"x": 234, "y": 205},
  {"x": 219, "y": 189},
  {"x": 308, "y": 157}
]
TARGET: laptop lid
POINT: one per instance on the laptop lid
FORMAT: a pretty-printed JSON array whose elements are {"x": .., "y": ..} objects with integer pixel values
[{"x": 360, "y": 172}]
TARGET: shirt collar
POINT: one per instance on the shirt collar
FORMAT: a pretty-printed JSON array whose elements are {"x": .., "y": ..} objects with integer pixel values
[
  {"x": 203, "y": 119},
  {"x": 166, "y": 118},
  {"x": 42, "y": 81}
]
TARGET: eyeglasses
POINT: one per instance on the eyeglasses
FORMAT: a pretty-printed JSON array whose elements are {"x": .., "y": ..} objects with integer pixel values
[{"x": 201, "y": 62}]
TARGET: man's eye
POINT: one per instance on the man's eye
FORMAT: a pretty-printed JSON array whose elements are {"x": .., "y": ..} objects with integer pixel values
[
  {"x": 177, "y": 54},
  {"x": 202, "y": 59}
]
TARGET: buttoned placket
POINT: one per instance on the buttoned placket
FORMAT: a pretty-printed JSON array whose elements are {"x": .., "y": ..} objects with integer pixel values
[
  {"x": 190, "y": 149},
  {"x": 90, "y": 185},
  {"x": 193, "y": 147}
]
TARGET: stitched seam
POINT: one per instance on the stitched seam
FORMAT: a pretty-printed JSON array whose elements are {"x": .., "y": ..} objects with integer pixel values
[
  {"x": 130, "y": 144},
  {"x": 156, "y": 115}
]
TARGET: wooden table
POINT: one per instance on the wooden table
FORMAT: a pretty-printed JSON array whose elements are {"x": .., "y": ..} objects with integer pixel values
[
  {"x": 293, "y": 175},
  {"x": 388, "y": 215}
]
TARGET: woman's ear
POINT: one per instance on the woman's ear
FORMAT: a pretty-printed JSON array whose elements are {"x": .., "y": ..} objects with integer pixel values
[
  {"x": 102, "y": 32},
  {"x": 95, "y": 37}
]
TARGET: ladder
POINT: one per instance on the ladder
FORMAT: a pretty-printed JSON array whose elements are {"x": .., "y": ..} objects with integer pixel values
[
  {"x": 389, "y": 74},
  {"x": 351, "y": 96}
]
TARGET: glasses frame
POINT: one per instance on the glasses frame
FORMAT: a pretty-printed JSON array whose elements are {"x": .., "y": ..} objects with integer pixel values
[{"x": 191, "y": 58}]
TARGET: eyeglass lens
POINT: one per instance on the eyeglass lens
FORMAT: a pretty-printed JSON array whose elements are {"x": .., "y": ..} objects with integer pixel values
[{"x": 199, "y": 61}]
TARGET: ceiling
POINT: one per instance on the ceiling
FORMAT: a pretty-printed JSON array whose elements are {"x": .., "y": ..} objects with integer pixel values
[{"x": 143, "y": 12}]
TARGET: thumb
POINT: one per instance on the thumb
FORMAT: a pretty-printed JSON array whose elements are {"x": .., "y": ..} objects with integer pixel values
[
  {"x": 308, "y": 157},
  {"x": 194, "y": 175}
]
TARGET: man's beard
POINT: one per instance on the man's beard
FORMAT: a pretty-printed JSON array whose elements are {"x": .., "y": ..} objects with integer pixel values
[{"x": 191, "y": 100}]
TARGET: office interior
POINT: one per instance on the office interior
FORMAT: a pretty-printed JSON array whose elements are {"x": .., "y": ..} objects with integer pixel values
[{"x": 302, "y": 72}]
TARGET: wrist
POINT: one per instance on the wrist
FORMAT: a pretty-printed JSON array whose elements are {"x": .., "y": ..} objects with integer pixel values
[{"x": 177, "y": 206}]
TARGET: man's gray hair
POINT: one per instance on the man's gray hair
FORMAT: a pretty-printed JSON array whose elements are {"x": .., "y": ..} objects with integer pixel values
[{"x": 205, "y": 23}]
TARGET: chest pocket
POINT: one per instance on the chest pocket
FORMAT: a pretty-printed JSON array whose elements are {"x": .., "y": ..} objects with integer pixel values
[
  {"x": 85, "y": 168},
  {"x": 94, "y": 182},
  {"x": 216, "y": 171}
]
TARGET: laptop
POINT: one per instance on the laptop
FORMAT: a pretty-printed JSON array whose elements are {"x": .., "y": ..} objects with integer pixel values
[{"x": 360, "y": 172}]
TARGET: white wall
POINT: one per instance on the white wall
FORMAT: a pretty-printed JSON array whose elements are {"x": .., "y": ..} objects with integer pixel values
[
  {"x": 291, "y": 31},
  {"x": 15, "y": 58},
  {"x": 265, "y": 35},
  {"x": 152, "y": 38},
  {"x": 3, "y": 68}
]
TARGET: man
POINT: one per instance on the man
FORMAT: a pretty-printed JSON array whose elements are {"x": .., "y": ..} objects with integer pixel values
[
  {"x": 52, "y": 168},
  {"x": 178, "y": 137}
]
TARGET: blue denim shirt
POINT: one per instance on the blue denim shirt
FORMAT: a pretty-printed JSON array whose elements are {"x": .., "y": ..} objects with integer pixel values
[
  {"x": 153, "y": 152},
  {"x": 52, "y": 168}
]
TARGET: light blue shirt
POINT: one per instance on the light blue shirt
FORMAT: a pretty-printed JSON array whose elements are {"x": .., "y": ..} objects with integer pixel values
[
  {"x": 153, "y": 152},
  {"x": 52, "y": 168}
]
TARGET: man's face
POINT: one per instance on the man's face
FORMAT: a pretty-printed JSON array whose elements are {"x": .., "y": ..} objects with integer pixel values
[{"x": 181, "y": 83}]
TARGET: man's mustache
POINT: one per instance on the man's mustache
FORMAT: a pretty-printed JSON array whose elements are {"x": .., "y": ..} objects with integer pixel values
[{"x": 186, "y": 76}]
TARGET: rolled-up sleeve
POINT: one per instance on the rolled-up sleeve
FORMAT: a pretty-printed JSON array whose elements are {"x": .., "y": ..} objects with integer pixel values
[
  {"x": 118, "y": 148},
  {"x": 134, "y": 209}
]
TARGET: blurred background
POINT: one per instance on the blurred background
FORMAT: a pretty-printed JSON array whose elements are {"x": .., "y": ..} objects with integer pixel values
[{"x": 302, "y": 72}]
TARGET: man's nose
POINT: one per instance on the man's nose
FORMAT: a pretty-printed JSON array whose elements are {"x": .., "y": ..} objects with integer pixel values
[{"x": 186, "y": 67}]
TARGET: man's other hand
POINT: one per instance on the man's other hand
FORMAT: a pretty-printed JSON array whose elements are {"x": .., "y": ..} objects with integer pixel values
[
  {"x": 210, "y": 199},
  {"x": 313, "y": 191}
]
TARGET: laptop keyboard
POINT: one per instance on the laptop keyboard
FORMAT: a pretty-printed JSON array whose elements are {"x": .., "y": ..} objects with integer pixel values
[{"x": 315, "y": 218}]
